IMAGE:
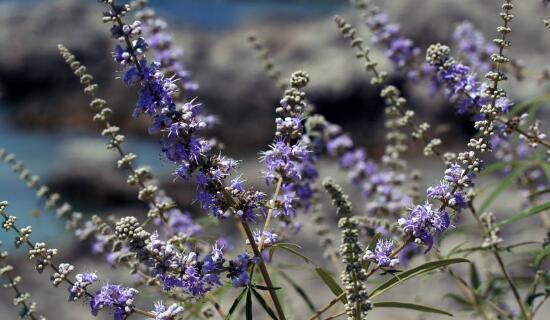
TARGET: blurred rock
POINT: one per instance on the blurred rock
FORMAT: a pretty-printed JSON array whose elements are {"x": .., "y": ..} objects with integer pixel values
[{"x": 47, "y": 96}]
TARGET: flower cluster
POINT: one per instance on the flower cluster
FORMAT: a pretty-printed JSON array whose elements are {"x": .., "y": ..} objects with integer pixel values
[
  {"x": 290, "y": 161},
  {"x": 400, "y": 50},
  {"x": 354, "y": 275},
  {"x": 382, "y": 254},
  {"x": 169, "y": 57},
  {"x": 380, "y": 185},
  {"x": 238, "y": 270},
  {"x": 472, "y": 44},
  {"x": 423, "y": 222},
  {"x": 115, "y": 297}
]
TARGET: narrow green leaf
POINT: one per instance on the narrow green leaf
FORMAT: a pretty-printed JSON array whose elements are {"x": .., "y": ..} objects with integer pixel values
[
  {"x": 372, "y": 244},
  {"x": 266, "y": 288},
  {"x": 494, "y": 167},
  {"x": 474, "y": 276},
  {"x": 503, "y": 185},
  {"x": 532, "y": 297},
  {"x": 529, "y": 104},
  {"x": 524, "y": 214},
  {"x": 248, "y": 305},
  {"x": 301, "y": 292},
  {"x": 545, "y": 252},
  {"x": 286, "y": 247},
  {"x": 235, "y": 304},
  {"x": 330, "y": 282},
  {"x": 458, "y": 299},
  {"x": 264, "y": 305},
  {"x": 426, "y": 267},
  {"x": 412, "y": 306}
]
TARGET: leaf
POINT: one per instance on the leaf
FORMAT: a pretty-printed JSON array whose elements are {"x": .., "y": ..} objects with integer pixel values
[
  {"x": 493, "y": 167},
  {"x": 248, "y": 305},
  {"x": 541, "y": 255},
  {"x": 412, "y": 306},
  {"x": 503, "y": 185},
  {"x": 266, "y": 288},
  {"x": 235, "y": 304},
  {"x": 532, "y": 297},
  {"x": 426, "y": 267},
  {"x": 458, "y": 299},
  {"x": 301, "y": 292},
  {"x": 474, "y": 276},
  {"x": 536, "y": 102},
  {"x": 372, "y": 244},
  {"x": 330, "y": 282},
  {"x": 285, "y": 246},
  {"x": 263, "y": 304},
  {"x": 524, "y": 214}
]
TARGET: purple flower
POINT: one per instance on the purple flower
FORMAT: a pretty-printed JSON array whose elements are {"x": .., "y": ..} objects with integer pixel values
[
  {"x": 382, "y": 254},
  {"x": 238, "y": 270},
  {"x": 268, "y": 237},
  {"x": 283, "y": 161},
  {"x": 118, "y": 298},
  {"x": 456, "y": 175},
  {"x": 83, "y": 280},
  {"x": 285, "y": 204},
  {"x": 401, "y": 51},
  {"x": 163, "y": 313},
  {"x": 423, "y": 222},
  {"x": 472, "y": 43},
  {"x": 442, "y": 192},
  {"x": 161, "y": 45}
]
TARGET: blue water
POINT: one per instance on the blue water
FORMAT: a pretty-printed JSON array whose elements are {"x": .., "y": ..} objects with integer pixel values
[
  {"x": 41, "y": 154},
  {"x": 219, "y": 14}
]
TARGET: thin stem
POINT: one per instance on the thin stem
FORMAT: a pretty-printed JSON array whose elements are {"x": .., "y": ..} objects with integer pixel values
[
  {"x": 509, "y": 279},
  {"x": 540, "y": 304},
  {"x": 327, "y": 306},
  {"x": 336, "y": 315},
  {"x": 263, "y": 270},
  {"x": 522, "y": 132},
  {"x": 515, "y": 291},
  {"x": 270, "y": 212}
]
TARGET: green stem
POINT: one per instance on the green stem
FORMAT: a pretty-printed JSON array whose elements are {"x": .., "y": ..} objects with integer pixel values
[
  {"x": 515, "y": 291},
  {"x": 263, "y": 270}
]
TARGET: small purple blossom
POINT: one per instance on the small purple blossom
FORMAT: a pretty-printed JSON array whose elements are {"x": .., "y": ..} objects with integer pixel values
[
  {"x": 161, "y": 312},
  {"x": 382, "y": 254},
  {"x": 268, "y": 237},
  {"x": 423, "y": 222},
  {"x": 472, "y": 43},
  {"x": 115, "y": 297},
  {"x": 83, "y": 280}
]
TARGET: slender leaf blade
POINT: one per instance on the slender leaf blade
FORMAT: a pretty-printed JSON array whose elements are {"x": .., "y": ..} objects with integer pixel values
[
  {"x": 410, "y": 306},
  {"x": 291, "y": 250},
  {"x": 524, "y": 214},
  {"x": 235, "y": 304},
  {"x": 301, "y": 292},
  {"x": 330, "y": 282},
  {"x": 475, "y": 281},
  {"x": 264, "y": 305},
  {"x": 426, "y": 267},
  {"x": 503, "y": 185},
  {"x": 541, "y": 256},
  {"x": 248, "y": 305}
]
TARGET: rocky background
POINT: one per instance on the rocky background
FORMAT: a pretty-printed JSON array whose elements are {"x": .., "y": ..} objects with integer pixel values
[{"x": 39, "y": 97}]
